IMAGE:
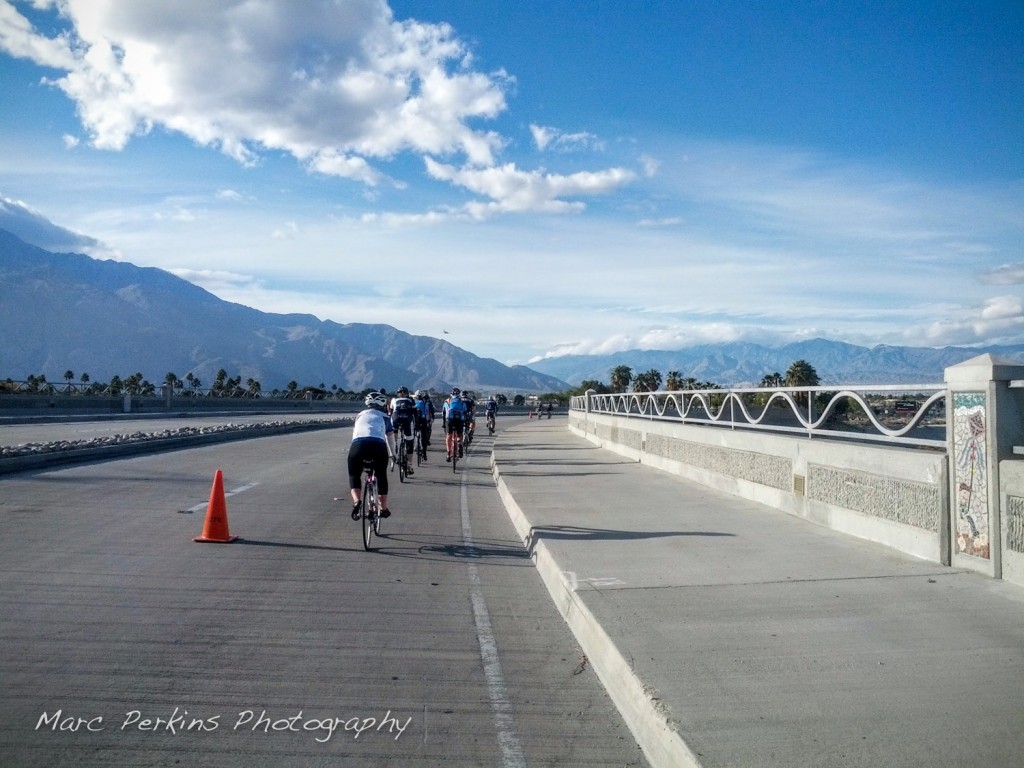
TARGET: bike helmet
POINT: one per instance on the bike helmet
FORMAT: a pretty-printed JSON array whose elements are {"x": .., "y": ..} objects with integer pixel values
[
  {"x": 456, "y": 391},
  {"x": 376, "y": 400},
  {"x": 418, "y": 394},
  {"x": 403, "y": 391}
]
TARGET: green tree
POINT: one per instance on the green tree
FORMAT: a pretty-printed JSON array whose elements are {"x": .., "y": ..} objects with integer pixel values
[
  {"x": 801, "y": 374},
  {"x": 673, "y": 381},
  {"x": 648, "y": 381},
  {"x": 621, "y": 376},
  {"x": 68, "y": 376},
  {"x": 773, "y": 380}
]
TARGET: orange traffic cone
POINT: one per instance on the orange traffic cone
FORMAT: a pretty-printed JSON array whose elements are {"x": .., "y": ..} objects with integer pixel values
[{"x": 216, "y": 526}]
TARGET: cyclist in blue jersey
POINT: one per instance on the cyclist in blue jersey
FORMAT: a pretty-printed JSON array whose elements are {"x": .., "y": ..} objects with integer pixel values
[
  {"x": 424, "y": 418},
  {"x": 371, "y": 435},
  {"x": 491, "y": 412},
  {"x": 453, "y": 414},
  {"x": 467, "y": 398},
  {"x": 403, "y": 418}
]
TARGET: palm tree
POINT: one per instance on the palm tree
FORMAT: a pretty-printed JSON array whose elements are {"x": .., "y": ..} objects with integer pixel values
[
  {"x": 621, "y": 375},
  {"x": 773, "y": 380},
  {"x": 801, "y": 374},
  {"x": 674, "y": 381},
  {"x": 648, "y": 381},
  {"x": 68, "y": 376}
]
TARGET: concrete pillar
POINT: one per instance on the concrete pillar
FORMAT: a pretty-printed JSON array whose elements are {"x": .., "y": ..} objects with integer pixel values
[{"x": 983, "y": 424}]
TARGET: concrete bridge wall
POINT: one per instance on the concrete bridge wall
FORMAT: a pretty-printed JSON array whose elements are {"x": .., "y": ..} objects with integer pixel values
[{"x": 894, "y": 496}]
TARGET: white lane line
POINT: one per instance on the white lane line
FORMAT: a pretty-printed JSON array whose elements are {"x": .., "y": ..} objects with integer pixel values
[
  {"x": 240, "y": 489},
  {"x": 501, "y": 707}
]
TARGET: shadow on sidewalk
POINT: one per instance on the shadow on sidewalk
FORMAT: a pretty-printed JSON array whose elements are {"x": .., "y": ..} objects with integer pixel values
[{"x": 576, "y": 533}]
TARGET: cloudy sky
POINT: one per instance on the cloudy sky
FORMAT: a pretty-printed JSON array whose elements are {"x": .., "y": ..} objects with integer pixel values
[{"x": 539, "y": 178}]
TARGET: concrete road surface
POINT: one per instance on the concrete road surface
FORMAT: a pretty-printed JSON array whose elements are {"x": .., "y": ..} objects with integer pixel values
[{"x": 124, "y": 643}]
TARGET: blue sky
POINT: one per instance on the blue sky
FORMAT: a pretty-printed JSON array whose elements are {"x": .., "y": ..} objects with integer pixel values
[{"x": 539, "y": 178}]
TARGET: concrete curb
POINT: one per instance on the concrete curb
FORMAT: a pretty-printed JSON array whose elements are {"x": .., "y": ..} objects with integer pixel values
[
  {"x": 645, "y": 717},
  {"x": 154, "y": 445}
]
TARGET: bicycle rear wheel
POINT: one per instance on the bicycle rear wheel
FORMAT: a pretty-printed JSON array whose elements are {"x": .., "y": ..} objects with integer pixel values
[
  {"x": 419, "y": 448},
  {"x": 370, "y": 508},
  {"x": 403, "y": 464}
]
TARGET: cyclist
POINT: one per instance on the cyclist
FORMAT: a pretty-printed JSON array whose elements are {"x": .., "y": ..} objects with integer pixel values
[
  {"x": 491, "y": 411},
  {"x": 470, "y": 415},
  {"x": 424, "y": 418},
  {"x": 370, "y": 442},
  {"x": 403, "y": 416},
  {"x": 453, "y": 413}
]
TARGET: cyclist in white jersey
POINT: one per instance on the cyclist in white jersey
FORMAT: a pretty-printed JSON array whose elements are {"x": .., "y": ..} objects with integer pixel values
[{"x": 371, "y": 435}]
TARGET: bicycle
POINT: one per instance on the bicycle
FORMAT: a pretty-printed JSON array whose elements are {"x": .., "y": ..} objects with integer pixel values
[
  {"x": 456, "y": 448},
  {"x": 370, "y": 505},
  {"x": 402, "y": 458},
  {"x": 490, "y": 423},
  {"x": 421, "y": 452}
]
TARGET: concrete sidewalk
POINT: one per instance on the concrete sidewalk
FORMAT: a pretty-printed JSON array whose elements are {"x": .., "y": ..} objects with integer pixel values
[{"x": 732, "y": 634}]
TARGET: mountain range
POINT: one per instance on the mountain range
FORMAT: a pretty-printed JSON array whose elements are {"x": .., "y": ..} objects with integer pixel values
[
  {"x": 68, "y": 311},
  {"x": 738, "y": 364}
]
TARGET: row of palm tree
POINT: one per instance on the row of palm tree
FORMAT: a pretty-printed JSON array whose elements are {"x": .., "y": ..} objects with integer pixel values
[
  {"x": 191, "y": 386},
  {"x": 799, "y": 374}
]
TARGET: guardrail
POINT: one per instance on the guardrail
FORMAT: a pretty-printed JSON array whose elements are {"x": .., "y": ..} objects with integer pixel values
[{"x": 909, "y": 415}]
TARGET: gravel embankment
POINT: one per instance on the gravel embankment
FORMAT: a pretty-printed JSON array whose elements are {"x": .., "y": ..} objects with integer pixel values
[{"x": 29, "y": 455}]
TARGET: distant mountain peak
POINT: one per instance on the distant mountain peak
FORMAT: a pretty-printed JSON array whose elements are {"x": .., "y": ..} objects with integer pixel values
[{"x": 106, "y": 318}]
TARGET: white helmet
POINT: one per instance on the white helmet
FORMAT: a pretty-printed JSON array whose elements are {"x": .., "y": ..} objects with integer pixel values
[{"x": 376, "y": 400}]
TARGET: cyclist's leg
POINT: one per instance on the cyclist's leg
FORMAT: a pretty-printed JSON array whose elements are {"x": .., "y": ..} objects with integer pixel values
[
  {"x": 449, "y": 437},
  {"x": 407, "y": 426},
  {"x": 380, "y": 467},
  {"x": 355, "y": 480}
]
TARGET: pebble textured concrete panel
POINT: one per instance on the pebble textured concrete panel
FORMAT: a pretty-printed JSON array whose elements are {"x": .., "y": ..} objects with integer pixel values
[
  {"x": 899, "y": 501},
  {"x": 773, "y": 471},
  {"x": 1015, "y": 523}
]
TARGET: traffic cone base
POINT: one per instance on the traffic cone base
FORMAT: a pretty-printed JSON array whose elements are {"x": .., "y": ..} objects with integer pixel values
[{"x": 215, "y": 529}]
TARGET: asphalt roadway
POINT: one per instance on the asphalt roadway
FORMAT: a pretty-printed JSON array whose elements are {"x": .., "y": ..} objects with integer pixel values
[{"x": 732, "y": 634}]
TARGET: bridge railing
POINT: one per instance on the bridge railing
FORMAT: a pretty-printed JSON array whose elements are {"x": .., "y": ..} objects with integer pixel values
[{"x": 908, "y": 415}]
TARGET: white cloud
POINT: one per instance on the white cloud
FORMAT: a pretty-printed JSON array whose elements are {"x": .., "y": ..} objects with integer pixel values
[
  {"x": 551, "y": 138},
  {"x": 216, "y": 280},
  {"x": 289, "y": 231},
  {"x": 512, "y": 189},
  {"x": 337, "y": 85},
  {"x": 30, "y": 225},
  {"x": 1003, "y": 308},
  {"x": 70, "y": 141},
  {"x": 1006, "y": 274}
]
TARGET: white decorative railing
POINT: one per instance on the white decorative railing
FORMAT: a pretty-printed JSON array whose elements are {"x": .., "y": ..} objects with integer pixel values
[{"x": 865, "y": 412}]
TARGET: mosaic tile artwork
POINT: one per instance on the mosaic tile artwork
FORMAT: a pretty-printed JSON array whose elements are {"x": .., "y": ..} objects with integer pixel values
[{"x": 971, "y": 474}]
